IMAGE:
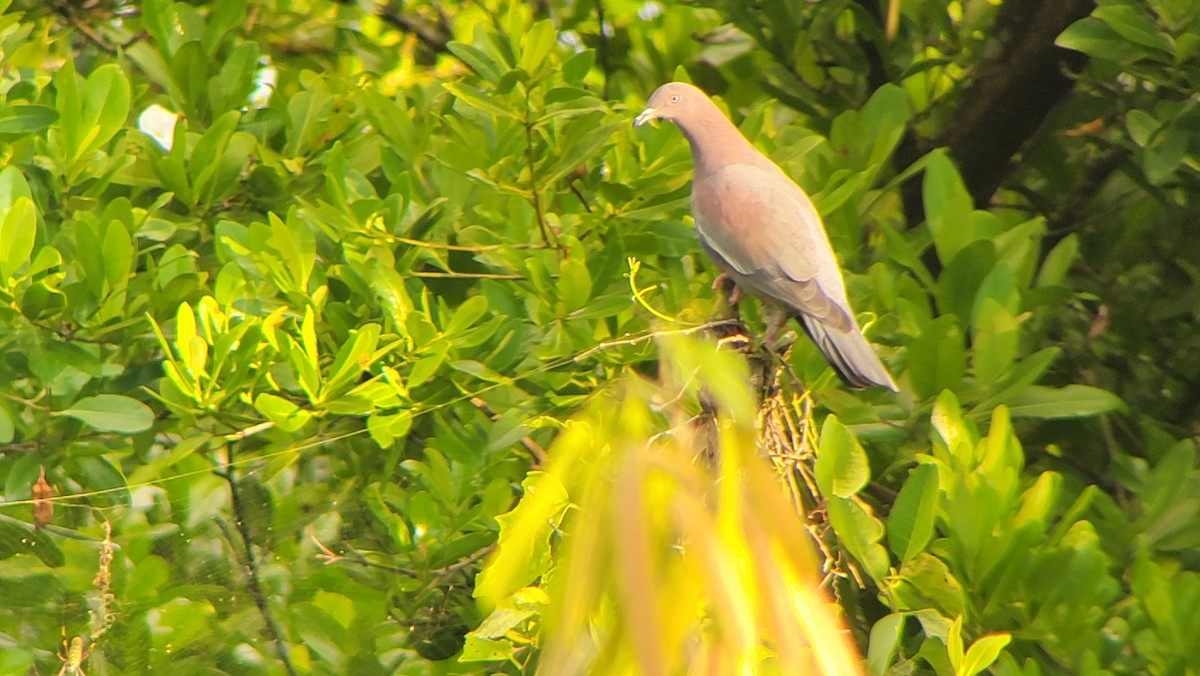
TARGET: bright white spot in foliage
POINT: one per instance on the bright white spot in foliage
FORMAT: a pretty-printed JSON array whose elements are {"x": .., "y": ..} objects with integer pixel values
[
  {"x": 159, "y": 124},
  {"x": 650, "y": 10},
  {"x": 571, "y": 40},
  {"x": 266, "y": 84},
  {"x": 418, "y": 531}
]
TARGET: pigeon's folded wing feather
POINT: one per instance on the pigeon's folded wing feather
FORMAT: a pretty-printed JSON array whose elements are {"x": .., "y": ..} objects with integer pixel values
[{"x": 767, "y": 234}]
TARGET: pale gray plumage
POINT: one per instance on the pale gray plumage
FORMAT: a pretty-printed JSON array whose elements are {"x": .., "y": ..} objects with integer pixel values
[{"x": 764, "y": 233}]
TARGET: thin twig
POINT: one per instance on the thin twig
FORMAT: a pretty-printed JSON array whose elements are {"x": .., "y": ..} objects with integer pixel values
[
  {"x": 331, "y": 557},
  {"x": 635, "y": 340},
  {"x": 249, "y": 563},
  {"x": 461, "y": 247},
  {"x": 533, "y": 181},
  {"x": 582, "y": 200},
  {"x": 465, "y": 275},
  {"x": 602, "y": 46},
  {"x": 65, "y": 12}
]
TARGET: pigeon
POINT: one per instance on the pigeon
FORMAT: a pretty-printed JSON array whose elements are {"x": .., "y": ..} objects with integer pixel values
[{"x": 765, "y": 235}]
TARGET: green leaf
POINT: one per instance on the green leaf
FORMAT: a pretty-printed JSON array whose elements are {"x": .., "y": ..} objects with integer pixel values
[
  {"x": 158, "y": 19},
  {"x": 841, "y": 467},
  {"x": 952, "y": 432},
  {"x": 982, "y": 653},
  {"x": 585, "y": 139},
  {"x": 1072, "y": 401},
  {"x": 352, "y": 360},
  {"x": 1038, "y": 501},
  {"x": 385, "y": 429},
  {"x": 390, "y": 291},
  {"x": 937, "y": 359},
  {"x": 961, "y": 281},
  {"x": 925, "y": 581},
  {"x": 1023, "y": 374},
  {"x": 885, "y": 638},
  {"x": 13, "y": 186},
  {"x": 192, "y": 349},
  {"x": 224, "y": 17},
  {"x": 286, "y": 415},
  {"x": 479, "y": 60},
  {"x": 16, "y": 538},
  {"x": 26, "y": 119},
  {"x": 106, "y": 100},
  {"x": 204, "y": 165},
  {"x": 574, "y": 284},
  {"x": 1000, "y": 287},
  {"x": 112, "y": 413},
  {"x": 467, "y": 314},
  {"x": 948, "y": 206},
  {"x": 577, "y": 67},
  {"x": 190, "y": 72},
  {"x": 425, "y": 367},
  {"x": 1000, "y": 456},
  {"x": 954, "y": 645},
  {"x": 478, "y": 100},
  {"x": 17, "y": 232},
  {"x": 884, "y": 118},
  {"x": 118, "y": 254},
  {"x": 1134, "y": 25},
  {"x": 1059, "y": 261},
  {"x": 994, "y": 348},
  {"x": 231, "y": 88},
  {"x": 1167, "y": 483},
  {"x": 536, "y": 44},
  {"x": 45, "y": 548},
  {"x": 30, "y": 591},
  {"x": 7, "y": 429},
  {"x": 910, "y": 524},
  {"x": 477, "y": 649},
  {"x": 859, "y": 531},
  {"x": 1165, "y": 155},
  {"x": 97, "y": 474},
  {"x": 69, "y": 107},
  {"x": 1142, "y": 126},
  {"x": 523, "y": 550},
  {"x": 1092, "y": 37}
]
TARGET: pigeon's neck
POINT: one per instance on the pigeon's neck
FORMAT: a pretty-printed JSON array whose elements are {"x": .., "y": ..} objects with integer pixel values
[{"x": 715, "y": 142}]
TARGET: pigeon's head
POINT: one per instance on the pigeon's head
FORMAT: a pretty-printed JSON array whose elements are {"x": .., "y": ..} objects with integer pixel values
[{"x": 672, "y": 102}]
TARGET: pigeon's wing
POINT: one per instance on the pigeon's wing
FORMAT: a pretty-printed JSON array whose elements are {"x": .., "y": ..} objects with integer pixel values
[
  {"x": 762, "y": 229},
  {"x": 759, "y": 226}
]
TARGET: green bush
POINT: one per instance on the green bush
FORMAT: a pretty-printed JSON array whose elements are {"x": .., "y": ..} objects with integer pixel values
[{"x": 286, "y": 374}]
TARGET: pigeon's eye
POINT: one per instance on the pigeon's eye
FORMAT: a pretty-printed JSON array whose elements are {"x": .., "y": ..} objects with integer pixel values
[{"x": 675, "y": 98}]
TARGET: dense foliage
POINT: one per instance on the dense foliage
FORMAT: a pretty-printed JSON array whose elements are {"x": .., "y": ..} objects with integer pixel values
[{"x": 373, "y": 358}]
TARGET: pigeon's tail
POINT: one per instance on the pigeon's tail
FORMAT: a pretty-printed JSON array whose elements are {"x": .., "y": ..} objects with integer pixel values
[{"x": 850, "y": 355}]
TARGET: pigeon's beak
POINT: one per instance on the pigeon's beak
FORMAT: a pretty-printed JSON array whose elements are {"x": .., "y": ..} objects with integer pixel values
[{"x": 646, "y": 116}]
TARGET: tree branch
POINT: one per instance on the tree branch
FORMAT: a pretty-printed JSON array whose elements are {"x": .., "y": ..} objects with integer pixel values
[
  {"x": 433, "y": 34},
  {"x": 1013, "y": 92}
]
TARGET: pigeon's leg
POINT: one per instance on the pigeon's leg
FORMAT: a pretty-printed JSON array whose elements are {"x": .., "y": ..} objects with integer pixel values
[
  {"x": 778, "y": 318},
  {"x": 735, "y": 292}
]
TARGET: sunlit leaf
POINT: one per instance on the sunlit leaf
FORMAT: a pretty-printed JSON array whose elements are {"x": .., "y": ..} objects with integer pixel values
[
  {"x": 841, "y": 466},
  {"x": 112, "y": 413},
  {"x": 1071, "y": 401},
  {"x": 910, "y": 524}
]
